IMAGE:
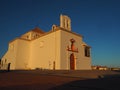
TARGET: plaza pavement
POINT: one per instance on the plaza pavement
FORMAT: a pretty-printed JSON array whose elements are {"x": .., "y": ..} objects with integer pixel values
[{"x": 59, "y": 80}]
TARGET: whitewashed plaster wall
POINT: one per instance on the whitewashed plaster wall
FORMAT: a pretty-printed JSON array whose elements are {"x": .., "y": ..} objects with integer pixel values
[
  {"x": 45, "y": 50},
  {"x": 81, "y": 62}
]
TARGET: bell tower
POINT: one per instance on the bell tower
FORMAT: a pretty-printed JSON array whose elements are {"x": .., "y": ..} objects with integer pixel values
[{"x": 65, "y": 22}]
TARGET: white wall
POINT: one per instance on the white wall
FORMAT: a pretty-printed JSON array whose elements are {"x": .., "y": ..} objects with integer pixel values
[
  {"x": 10, "y": 55},
  {"x": 45, "y": 50},
  {"x": 82, "y": 62},
  {"x": 23, "y": 54}
]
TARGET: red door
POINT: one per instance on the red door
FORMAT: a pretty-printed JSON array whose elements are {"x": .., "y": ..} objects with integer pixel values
[{"x": 72, "y": 62}]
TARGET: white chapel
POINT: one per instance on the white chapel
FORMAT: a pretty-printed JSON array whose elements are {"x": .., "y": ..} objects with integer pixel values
[{"x": 58, "y": 49}]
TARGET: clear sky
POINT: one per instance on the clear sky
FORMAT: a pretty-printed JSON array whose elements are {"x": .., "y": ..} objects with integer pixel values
[{"x": 97, "y": 20}]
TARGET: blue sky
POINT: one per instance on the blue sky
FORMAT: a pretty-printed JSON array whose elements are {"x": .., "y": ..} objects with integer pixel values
[{"x": 97, "y": 20}]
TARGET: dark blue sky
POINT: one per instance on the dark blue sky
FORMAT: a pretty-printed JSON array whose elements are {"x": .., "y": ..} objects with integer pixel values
[{"x": 97, "y": 20}]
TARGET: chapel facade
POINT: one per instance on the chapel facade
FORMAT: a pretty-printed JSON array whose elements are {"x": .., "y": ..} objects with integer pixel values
[{"x": 58, "y": 49}]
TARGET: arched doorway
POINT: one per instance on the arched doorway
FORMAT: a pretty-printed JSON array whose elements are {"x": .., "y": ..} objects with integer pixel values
[{"x": 72, "y": 62}]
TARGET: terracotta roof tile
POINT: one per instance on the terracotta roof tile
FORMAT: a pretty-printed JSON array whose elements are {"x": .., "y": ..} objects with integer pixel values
[{"x": 38, "y": 30}]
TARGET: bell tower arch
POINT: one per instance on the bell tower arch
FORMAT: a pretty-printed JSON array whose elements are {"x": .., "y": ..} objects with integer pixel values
[{"x": 65, "y": 22}]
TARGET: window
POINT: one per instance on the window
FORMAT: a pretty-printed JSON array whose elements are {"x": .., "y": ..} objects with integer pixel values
[
  {"x": 27, "y": 37},
  {"x": 5, "y": 60},
  {"x": 87, "y": 51},
  {"x": 0, "y": 61}
]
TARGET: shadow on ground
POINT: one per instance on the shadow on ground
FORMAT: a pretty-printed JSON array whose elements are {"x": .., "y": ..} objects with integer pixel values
[
  {"x": 107, "y": 82},
  {"x": 59, "y": 80}
]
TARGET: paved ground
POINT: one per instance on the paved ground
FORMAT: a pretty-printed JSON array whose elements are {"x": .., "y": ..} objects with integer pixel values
[{"x": 60, "y": 80}]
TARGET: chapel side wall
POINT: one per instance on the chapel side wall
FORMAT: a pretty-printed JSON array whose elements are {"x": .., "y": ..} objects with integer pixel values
[
  {"x": 23, "y": 54},
  {"x": 10, "y": 55},
  {"x": 81, "y": 62},
  {"x": 45, "y": 50}
]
